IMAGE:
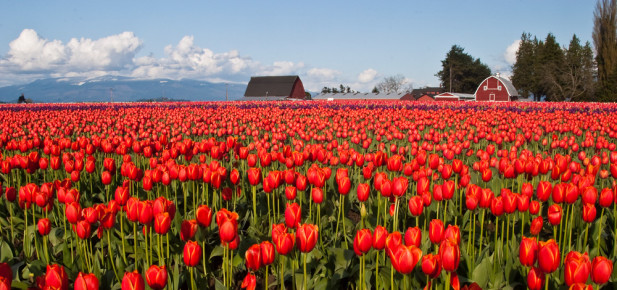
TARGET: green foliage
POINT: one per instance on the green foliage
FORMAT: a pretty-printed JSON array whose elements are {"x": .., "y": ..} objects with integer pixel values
[
  {"x": 461, "y": 72},
  {"x": 546, "y": 70}
]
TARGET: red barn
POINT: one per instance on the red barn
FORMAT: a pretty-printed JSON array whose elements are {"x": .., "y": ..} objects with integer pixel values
[
  {"x": 275, "y": 88},
  {"x": 496, "y": 89}
]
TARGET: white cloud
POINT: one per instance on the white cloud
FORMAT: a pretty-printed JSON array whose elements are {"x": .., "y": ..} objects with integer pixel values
[
  {"x": 367, "y": 75},
  {"x": 510, "y": 53},
  {"x": 31, "y": 53},
  {"x": 324, "y": 74},
  {"x": 32, "y": 56}
]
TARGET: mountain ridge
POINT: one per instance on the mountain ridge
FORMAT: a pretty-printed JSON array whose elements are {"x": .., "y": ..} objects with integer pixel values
[{"x": 120, "y": 89}]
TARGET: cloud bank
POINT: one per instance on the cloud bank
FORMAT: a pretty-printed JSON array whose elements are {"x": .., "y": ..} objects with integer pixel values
[{"x": 32, "y": 57}]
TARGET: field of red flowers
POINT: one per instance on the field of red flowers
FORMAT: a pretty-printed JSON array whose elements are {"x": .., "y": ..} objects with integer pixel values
[{"x": 308, "y": 195}]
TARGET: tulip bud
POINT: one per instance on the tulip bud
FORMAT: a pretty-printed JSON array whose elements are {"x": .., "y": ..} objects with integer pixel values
[{"x": 44, "y": 226}]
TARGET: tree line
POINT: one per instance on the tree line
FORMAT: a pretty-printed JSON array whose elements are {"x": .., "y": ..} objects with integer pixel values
[{"x": 547, "y": 71}]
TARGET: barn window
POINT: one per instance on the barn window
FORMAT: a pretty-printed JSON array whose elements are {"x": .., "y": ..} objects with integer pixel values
[
  {"x": 499, "y": 88},
  {"x": 485, "y": 88}
]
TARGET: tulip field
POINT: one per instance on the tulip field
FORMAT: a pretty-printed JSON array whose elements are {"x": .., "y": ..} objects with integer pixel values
[{"x": 308, "y": 195}]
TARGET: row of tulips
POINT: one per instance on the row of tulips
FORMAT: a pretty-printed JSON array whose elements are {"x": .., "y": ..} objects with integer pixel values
[{"x": 133, "y": 190}]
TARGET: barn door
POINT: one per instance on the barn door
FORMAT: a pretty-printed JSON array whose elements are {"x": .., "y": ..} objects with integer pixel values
[{"x": 491, "y": 97}]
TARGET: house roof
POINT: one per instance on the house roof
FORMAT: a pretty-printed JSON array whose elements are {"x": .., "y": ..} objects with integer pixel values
[
  {"x": 460, "y": 96},
  {"x": 359, "y": 96},
  {"x": 430, "y": 91},
  {"x": 275, "y": 86}
]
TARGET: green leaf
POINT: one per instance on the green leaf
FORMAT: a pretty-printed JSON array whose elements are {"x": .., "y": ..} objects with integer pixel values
[
  {"x": 482, "y": 272},
  {"x": 217, "y": 252},
  {"x": 6, "y": 252}
]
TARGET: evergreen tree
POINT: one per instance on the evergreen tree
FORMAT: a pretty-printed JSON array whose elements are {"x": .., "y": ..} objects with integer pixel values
[
  {"x": 460, "y": 72},
  {"x": 550, "y": 61},
  {"x": 523, "y": 72}
]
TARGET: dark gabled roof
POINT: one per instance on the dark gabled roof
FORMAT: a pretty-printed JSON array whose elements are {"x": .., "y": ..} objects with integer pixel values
[
  {"x": 271, "y": 86},
  {"x": 430, "y": 91}
]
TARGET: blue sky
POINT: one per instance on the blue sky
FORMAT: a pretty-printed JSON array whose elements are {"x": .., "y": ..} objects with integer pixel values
[{"x": 356, "y": 43}]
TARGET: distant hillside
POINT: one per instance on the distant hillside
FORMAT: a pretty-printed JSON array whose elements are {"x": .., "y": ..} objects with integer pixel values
[{"x": 67, "y": 90}]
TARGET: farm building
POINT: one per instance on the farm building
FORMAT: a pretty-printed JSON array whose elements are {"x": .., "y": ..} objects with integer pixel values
[
  {"x": 274, "y": 88},
  {"x": 454, "y": 97},
  {"x": 359, "y": 96},
  {"x": 424, "y": 94},
  {"x": 496, "y": 89}
]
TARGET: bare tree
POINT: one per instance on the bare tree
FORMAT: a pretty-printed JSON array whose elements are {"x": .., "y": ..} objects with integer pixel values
[
  {"x": 392, "y": 84},
  {"x": 605, "y": 41}
]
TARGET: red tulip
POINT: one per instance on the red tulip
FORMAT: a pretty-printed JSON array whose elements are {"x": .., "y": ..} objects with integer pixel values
[
  {"x": 56, "y": 278},
  {"x": 82, "y": 228},
  {"x": 431, "y": 265},
  {"x": 606, "y": 197},
  {"x": 416, "y": 205},
  {"x": 601, "y": 270},
  {"x": 577, "y": 268},
  {"x": 497, "y": 206},
  {"x": 535, "y": 279},
  {"x": 44, "y": 226},
  {"x": 162, "y": 223},
  {"x": 188, "y": 228},
  {"x": 192, "y": 253},
  {"x": 307, "y": 235},
  {"x": 399, "y": 186},
  {"x": 548, "y": 256},
  {"x": 405, "y": 258},
  {"x": 156, "y": 277},
  {"x": 487, "y": 174},
  {"x": 249, "y": 282},
  {"x": 86, "y": 282},
  {"x": 6, "y": 273},
  {"x": 267, "y": 253},
  {"x": 453, "y": 233},
  {"x": 450, "y": 255},
  {"x": 293, "y": 215},
  {"x": 413, "y": 236},
  {"x": 554, "y": 214},
  {"x": 436, "y": 231},
  {"x": 290, "y": 192},
  {"x": 254, "y": 175},
  {"x": 133, "y": 281},
  {"x": 284, "y": 242},
  {"x": 379, "y": 237},
  {"x": 317, "y": 195},
  {"x": 589, "y": 212},
  {"x": 528, "y": 251},
  {"x": 362, "y": 242},
  {"x": 363, "y": 191},
  {"x": 106, "y": 177},
  {"x": 344, "y": 185},
  {"x": 203, "y": 215},
  {"x": 536, "y": 225},
  {"x": 73, "y": 212},
  {"x": 543, "y": 191},
  {"x": 253, "y": 257}
]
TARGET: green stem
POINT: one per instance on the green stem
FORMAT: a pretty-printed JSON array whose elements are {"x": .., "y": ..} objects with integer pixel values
[
  {"x": 481, "y": 231},
  {"x": 304, "y": 263},
  {"x": 113, "y": 265},
  {"x": 122, "y": 234},
  {"x": 255, "y": 205},
  {"x": 600, "y": 231},
  {"x": 282, "y": 272}
]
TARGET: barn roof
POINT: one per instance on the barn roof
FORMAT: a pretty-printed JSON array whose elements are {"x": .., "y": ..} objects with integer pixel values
[
  {"x": 506, "y": 82},
  {"x": 271, "y": 86},
  {"x": 358, "y": 96},
  {"x": 460, "y": 96}
]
